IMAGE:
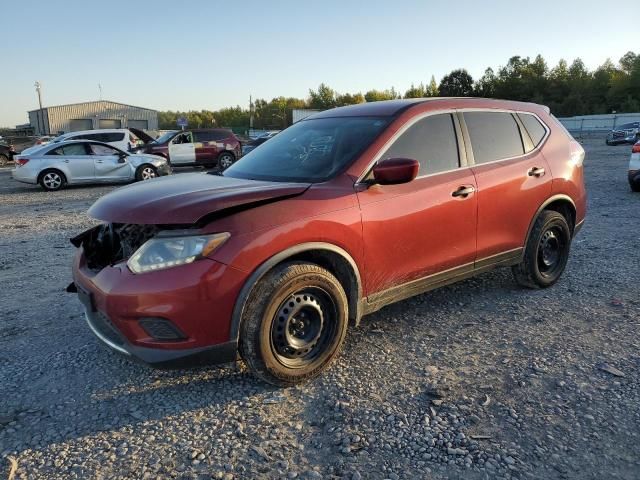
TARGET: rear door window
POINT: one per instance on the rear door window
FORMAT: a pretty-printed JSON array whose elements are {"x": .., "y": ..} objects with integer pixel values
[
  {"x": 494, "y": 136},
  {"x": 431, "y": 141},
  {"x": 534, "y": 128},
  {"x": 69, "y": 150}
]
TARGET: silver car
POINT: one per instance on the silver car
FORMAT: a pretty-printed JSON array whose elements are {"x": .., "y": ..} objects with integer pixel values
[{"x": 82, "y": 161}]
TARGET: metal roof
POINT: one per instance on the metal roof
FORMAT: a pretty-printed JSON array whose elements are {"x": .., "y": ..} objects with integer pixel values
[{"x": 93, "y": 102}]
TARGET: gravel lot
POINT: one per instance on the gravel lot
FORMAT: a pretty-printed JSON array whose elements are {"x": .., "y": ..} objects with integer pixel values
[{"x": 477, "y": 380}]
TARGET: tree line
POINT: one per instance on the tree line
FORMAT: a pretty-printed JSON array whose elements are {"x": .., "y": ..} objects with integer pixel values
[{"x": 568, "y": 89}]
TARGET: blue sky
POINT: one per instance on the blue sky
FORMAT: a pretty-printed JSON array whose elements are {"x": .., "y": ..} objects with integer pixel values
[{"x": 210, "y": 54}]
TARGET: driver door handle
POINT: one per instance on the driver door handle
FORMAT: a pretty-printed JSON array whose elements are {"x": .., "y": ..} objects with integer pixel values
[
  {"x": 536, "y": 172},
  {"x": 463, "y": 191}
]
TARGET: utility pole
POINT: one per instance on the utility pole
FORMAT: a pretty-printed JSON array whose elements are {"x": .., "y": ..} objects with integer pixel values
[
  {"x": 100, "y": 88},
  {"x": 38, "y": 86}
]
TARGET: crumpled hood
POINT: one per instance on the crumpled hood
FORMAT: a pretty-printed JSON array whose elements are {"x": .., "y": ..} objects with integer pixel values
[{"x": 186, "y": 198}]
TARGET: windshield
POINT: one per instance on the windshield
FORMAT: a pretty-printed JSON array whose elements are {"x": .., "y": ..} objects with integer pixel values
[
  {"x": 164, "y": 137},
  {"x": 310, "y": 150}
]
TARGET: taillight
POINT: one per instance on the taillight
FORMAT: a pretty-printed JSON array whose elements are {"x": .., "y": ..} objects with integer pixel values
[
  {"x": 21, "y": 161},
  {"x": 576, "y": 153},
  {"x": 636, "y": 148}
]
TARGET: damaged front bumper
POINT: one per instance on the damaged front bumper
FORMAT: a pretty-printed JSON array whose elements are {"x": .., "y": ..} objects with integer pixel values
[{"x": 167, "y": 318}]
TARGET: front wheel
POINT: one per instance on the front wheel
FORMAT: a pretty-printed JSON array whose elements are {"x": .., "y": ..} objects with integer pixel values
[
  {"x": 293, "y": 324},
  {"x": 225, "y": 160},
  {"x": 546, "y": 252},
  {"x": 146, "y": 172}
]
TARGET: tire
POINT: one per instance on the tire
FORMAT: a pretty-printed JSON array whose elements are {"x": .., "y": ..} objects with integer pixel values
[
  {"x": 293, "y": 324},
  {"x": 635, "y": 186},
  {"x": 225, "y": 160},
  {"x": 546, "y": 252},
  {"x": 52, "y": 180},
  {"x": 3, "y": 160},
  {"x": 146, "y": 172}
]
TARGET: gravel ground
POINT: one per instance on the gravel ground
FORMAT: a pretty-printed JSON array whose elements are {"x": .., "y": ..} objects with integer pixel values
[{"x": 477, "y": 380}]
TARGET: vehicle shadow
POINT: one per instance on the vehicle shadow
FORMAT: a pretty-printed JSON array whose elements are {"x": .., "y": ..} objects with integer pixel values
[{"x": 92, "y": 392}]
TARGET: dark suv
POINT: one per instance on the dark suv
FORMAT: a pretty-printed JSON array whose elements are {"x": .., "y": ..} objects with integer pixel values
[
  {"x": 208, "y": 147},
  {"x": 626, "y": 133}
]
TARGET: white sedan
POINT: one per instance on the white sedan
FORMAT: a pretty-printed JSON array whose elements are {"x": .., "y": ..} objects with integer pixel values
[
  {"x": 81, "y": 162},
  {"x": 634, "y": 167}
]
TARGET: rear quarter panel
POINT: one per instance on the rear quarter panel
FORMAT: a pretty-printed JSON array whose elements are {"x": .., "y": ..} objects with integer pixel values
[{"x": 568, "y": 179}]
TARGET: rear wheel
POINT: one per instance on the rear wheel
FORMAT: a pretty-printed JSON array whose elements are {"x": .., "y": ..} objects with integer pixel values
[
  {"x": 52, "y": 180},
  {"x": 146, "y": 172},
  {"x": 546, "y": 252},
  {"x": 293, "y": 324},
  {"x": 225, "y": 160},
  {"x": 635, "y": 186},
  {"x": 3, "y": 160}
]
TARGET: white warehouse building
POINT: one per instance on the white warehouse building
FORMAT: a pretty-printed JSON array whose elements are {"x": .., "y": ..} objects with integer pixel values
[{"x": 91, "y": 116}]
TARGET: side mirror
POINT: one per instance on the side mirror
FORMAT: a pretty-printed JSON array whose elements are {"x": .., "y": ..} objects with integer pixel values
[
  {"x": 394, "y": 171},
  {"x": 122, "y": 157}
]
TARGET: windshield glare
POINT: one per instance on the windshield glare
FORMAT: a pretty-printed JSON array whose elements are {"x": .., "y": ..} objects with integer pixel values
[{"x": 310, "y": 150}]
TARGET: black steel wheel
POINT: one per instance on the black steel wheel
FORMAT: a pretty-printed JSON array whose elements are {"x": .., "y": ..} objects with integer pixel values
[
  {"x": 293, "y": 323},
  {"x": 546, "y": 252}
]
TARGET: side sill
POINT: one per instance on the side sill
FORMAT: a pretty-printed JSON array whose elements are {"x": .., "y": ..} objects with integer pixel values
[{"x": 378, "y": 300}]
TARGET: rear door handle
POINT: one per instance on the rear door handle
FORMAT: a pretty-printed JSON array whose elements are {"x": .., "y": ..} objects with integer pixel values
[
  {"x": 463, "y": 191},
  {"x": 536, "y": 172}
]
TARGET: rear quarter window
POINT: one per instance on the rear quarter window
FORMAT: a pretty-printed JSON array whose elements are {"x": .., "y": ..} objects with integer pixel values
[
  {"x": 494, "y": 136},
  {"x": 534, "y": 128},
  {"x": 113, "y": 137}
]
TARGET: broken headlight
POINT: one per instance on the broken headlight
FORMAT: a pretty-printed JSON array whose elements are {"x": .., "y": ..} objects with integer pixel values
[{"x": 160, "y": 253}]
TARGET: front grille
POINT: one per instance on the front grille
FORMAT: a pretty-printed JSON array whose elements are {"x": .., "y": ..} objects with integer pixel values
[{"x": 101, "y": 323}]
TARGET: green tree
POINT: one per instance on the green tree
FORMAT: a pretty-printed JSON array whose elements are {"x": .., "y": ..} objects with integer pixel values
[
  {"x": 415, "y": 92},
  {"x": 349, "y": 99},
  {"x": 379, "y": 95},
  {"x": 323, "y": 98},
  {"x": 458, "y": 83},
  {"x": 432, "y": 89}
]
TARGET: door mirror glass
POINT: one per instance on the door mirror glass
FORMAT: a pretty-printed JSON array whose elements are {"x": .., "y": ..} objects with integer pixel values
[{"x": 394, "y": 171}]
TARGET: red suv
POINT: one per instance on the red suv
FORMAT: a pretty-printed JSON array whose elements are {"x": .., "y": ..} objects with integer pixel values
[
  {"x": 208, "y": 147},
  {"x": 337, "y": 216}
]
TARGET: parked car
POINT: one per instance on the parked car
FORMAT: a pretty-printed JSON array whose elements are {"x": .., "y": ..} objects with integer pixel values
[
  {"x": 634, "y": 167},
  {"x": 207, "y": 147},
  {"x": 84, "y": 161},
  {"x": 342, "y": 213},
  {"x": 258, "y": 141},
  {"x": 126, "y": 139},
  {"x": 6, "y": 153},
  {"x": 627, "y": 133}
]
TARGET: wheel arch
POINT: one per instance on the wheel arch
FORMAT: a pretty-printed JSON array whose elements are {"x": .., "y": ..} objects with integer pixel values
[
  {"x": 564, "y": 205},
  {"x": 335, "y": 259},
  {"x": 53, "y": 169}
]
